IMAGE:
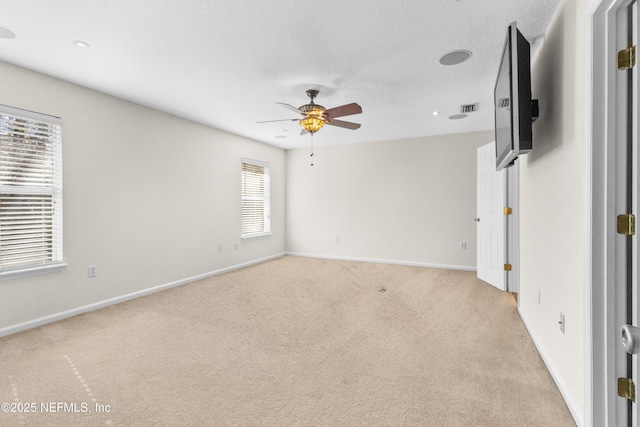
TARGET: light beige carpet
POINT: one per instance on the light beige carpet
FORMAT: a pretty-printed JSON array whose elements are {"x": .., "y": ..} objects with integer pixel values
[{"x": 290, "y": 342}]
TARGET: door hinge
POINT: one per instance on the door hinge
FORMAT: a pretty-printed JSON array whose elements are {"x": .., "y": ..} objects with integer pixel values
[
  {"x": 627, "y": 389},
  {"x": 626, "y": 224},
  {"x": 507, "y": 267},
  {"x": 508, "y": 211},
  {"x": 627, "y": 58}
]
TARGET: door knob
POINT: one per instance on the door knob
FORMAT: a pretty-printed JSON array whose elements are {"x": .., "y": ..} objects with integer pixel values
[
  {"x": 476, "y": 219},
  {"x": 630, "y": 339}
]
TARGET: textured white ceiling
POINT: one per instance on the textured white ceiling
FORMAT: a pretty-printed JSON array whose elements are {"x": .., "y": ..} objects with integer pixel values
[{"x": 226, "y": 63}]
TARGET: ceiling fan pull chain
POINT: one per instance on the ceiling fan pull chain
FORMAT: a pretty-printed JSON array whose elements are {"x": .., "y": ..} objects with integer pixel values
[{"x": 311, "y": 148}]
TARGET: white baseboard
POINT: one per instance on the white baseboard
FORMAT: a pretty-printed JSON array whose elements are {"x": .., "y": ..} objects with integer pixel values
[
  {"x": 386, "y": 261},
  {"x": 106, "y": 303},
  {"x": 578, "y": 416}
]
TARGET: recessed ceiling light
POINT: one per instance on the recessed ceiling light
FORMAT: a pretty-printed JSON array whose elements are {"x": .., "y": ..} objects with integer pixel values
[
  {"x": 458, "y": 116},
  {"x": 455, "y": 57},
  {"x": 80, "y": 43},
  {"x": 6, "y": 33},
  {"x": 435, "y": 113}
]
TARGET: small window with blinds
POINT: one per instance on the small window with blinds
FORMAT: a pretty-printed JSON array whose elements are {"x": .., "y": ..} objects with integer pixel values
[
  {"x": 30, "y": 191},
  {"x": 256, "y": 200}
]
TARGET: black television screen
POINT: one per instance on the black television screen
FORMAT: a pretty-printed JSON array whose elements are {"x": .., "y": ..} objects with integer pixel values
[{"x": 512, "y": 96}]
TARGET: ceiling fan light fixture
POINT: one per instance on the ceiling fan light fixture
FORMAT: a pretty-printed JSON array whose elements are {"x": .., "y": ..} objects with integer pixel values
[
  {"x": 314, "y": 120},
  {"x": 312, "y": 124}
]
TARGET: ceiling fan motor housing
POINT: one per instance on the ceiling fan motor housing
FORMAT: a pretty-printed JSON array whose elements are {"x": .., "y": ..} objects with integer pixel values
[{"x": 312, "y": 109}]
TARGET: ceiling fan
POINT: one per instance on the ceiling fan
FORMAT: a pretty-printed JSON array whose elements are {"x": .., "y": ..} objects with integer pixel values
[{"x": 315, "y": 116}]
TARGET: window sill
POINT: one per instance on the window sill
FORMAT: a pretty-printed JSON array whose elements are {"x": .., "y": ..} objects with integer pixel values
[
  {"x": 32, "y": 271},
  {"x": 253, "y": 236}
]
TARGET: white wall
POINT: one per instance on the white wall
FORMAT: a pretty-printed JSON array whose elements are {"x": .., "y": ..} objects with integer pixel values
[
  {"x": 551, "y": 205},
  {"x": 147, "y": 198},
  {"x": 408, "y": 201}
]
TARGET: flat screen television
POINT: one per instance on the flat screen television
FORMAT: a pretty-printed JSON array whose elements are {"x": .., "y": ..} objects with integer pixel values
[{"x": 514, "y": 108}]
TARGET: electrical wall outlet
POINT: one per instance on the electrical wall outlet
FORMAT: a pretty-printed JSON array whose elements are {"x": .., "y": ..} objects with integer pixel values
[
  {"x": 92, "y": 271},
  {"x": 235, "y": 246},
  {"x": 219, "y": 248},
  {"x": 463, "y": 245}
]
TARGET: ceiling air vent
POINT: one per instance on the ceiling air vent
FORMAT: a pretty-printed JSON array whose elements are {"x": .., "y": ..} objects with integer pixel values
[{"x": 469, "y": 108}]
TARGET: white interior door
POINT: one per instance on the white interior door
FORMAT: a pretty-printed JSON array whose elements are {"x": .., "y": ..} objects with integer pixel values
[{"x": 490, "y": 218}]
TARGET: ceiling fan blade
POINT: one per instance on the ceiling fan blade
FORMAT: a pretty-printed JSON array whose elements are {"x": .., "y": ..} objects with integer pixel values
[
  {"x": 343, "y": 124},
  {"x": 343, "y": 110},
  {"x": 289, "y": 107},
  {"x": 303, "y": 131},
  {"x": 281, "y": 120}
]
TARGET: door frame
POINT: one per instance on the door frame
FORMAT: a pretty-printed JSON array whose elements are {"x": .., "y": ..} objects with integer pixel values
[
  {"x": 512, "y": 227},
  {"x": 600, "y": 195}
]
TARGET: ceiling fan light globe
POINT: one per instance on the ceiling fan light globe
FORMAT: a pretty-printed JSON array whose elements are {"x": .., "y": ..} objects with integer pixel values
[{"x": 312, "y": 124}]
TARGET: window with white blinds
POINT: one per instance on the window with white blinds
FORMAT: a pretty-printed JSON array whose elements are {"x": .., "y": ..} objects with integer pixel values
[
  {"x": 256, "y": 200},
  {"x": 30, "y": 190}
]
